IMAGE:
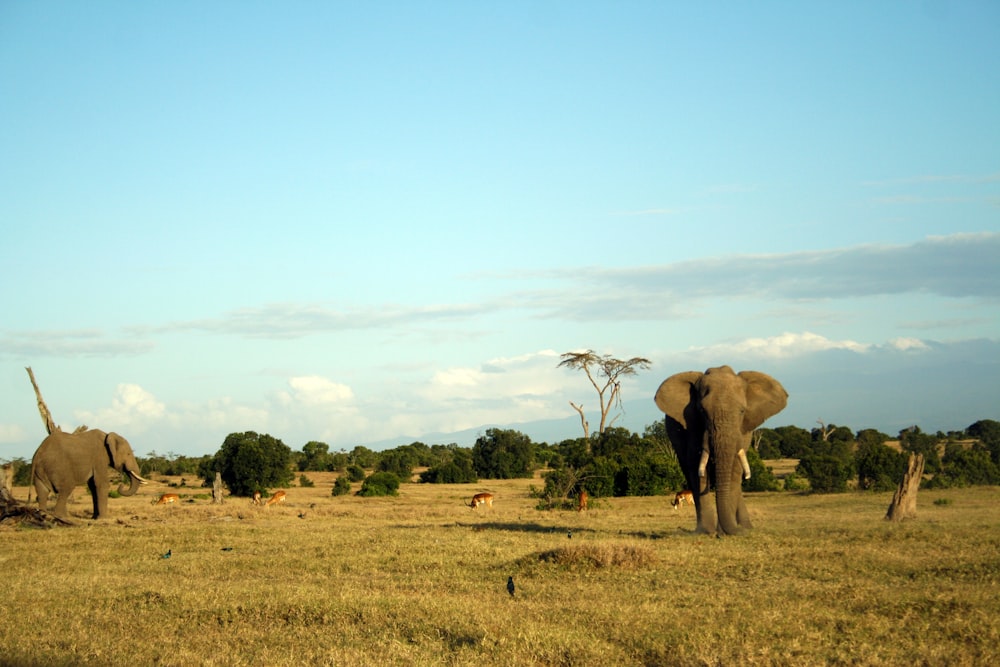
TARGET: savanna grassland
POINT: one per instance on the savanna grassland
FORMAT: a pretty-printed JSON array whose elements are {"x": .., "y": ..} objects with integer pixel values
[{"x": 420, "y": 579}]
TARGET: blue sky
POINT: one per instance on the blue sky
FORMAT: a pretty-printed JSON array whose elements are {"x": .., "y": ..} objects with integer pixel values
[{"x": 360, "y": 223}]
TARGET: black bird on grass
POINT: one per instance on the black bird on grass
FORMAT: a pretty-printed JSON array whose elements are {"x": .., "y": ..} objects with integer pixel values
[
  {"x": 510, "y": 586},
  {"x": 166, "y": 555}
]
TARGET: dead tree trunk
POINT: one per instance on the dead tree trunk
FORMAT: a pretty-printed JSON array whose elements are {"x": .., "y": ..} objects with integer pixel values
[
  {"x": 904, "y": 501},
  {"x": 583, "y": 421},
  {"x": 43, "y": 409},
  {"x": 217, "y": 489},
  {"x": 7, "y": 478}
]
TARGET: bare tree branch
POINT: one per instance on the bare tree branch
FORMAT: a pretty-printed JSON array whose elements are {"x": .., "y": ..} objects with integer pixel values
[
  {"x": 583, "y": 420},
  {"x": 610, "y": 369}
]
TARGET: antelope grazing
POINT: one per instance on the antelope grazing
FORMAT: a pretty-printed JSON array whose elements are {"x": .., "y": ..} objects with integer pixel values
[
  {"x": 256, "y": 498},
  {"x": 582, "y": 501},
  {"x": 278, "y": 497},
  {"x": 681, "y": 498},
  {"x": 168, "y": 498},
  {"x": 481, "y": 499}
]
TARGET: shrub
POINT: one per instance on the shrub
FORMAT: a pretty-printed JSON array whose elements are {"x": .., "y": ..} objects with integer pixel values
[
  {"x": 826, "y": 473},
  {"x": 355, "y": 473},
  {"x": 305, "y": 481},
  {"x": 503, "y": 454},
  {"x": 458, "y": 470},
  {"x": 880, "y": 467},
  {"x": 965, "y": 467},
  {"x": 342, "y": 486},
  {"x": 380, "y": 484},
  {"x": 761, "y": 477},
  {"x": 792, "y": 482},
  {"x": 250, "y": 462}
]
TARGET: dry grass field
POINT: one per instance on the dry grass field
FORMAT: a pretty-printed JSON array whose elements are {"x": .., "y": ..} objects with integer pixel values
[{"x": 420, "y": 579}]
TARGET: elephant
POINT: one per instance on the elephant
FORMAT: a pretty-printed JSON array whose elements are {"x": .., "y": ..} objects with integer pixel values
[
  {"x": 710, "y": 418},
  {"x": 66, "y": 460}
]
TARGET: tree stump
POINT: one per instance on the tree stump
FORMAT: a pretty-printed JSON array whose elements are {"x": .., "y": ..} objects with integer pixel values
[
  {"x": 217, "y": 489},
  {"x": 904, "y": 501},
  {"x": 7, "y": 478}
]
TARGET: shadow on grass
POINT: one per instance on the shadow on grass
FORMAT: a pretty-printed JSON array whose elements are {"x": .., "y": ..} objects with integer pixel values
[{"x": 525, "y": 528}]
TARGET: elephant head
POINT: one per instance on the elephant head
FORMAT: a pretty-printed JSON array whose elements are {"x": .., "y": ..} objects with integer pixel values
[
  {"x": 123, "y": 460},
  {"x": 66, "y": 460},
  {"x": 710, "y": 418}
]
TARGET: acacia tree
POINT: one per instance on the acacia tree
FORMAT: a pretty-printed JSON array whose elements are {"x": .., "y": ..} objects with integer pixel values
[{"x": 604, "y": 372}]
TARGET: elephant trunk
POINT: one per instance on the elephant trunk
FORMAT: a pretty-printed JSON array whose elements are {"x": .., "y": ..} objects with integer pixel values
[
  {"x": 134, "y": 481},
  {"x": 729, "y": 469}
]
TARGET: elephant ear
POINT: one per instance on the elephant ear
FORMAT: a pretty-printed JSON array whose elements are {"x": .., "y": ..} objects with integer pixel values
[
  {"x": 765, "y": 398},
  {"x": 113, "y": 443},
  {"x": 678, "y": 399}
]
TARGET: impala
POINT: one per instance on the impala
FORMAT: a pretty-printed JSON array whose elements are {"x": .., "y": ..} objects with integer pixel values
[
  {"x": 256, "y": 498},
  {"x": 168, "y": 498},
  {"x": 278, "y": 497},
  {"x": 582, "y": 501},
  {"x": 682, "y": 497},
  {"x": 481, "y": 499}
]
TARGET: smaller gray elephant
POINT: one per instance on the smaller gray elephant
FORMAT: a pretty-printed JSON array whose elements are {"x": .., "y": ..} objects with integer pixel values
[{"x": 65, "y": 460}]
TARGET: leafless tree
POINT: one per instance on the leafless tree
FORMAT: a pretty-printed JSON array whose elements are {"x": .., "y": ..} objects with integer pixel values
[{"x": 605, "y": 373}]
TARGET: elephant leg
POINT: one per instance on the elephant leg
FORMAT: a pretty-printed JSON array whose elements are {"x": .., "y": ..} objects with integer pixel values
[
  {"x": 99, "y": 490},
  {"x": 42, "y": 492},
  {"x": 708, "y": 521},
  {"x": 62, "y": 498},
  {"x": 704, "y": 503},
  {"x": 742, "y": 515}
]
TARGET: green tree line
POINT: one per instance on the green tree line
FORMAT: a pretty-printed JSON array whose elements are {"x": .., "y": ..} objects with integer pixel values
[{"x": 615, "y": 462}]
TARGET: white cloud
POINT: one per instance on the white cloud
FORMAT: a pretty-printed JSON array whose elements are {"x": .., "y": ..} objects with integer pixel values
[
  {"x": 908, "y": 344},
  {"x": 784, "y": 345},
  {"x": 131, "y": 407},
  {"x": 313, "y": 390}
]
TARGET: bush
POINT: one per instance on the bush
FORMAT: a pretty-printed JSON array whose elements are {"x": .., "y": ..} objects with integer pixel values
[
  {"x": 457, "y": 470},
  {"x": 355, "y": 473},
  {"x": 250, "y": 462},
  {"x": 826, "y": 473},
  {"x": 399, "y": 461},
  {"x": 305, "y": 481},
  {"x": 380, "y": 484},
  {"x": 503, "y": 454},
  {"x": 880, "y": 467},
  {"x": 761, "y": 477},
  {"x": 965, "y": 467},
  {"x": 342, "y": 486},
  {"x": 792, "y": 482}
]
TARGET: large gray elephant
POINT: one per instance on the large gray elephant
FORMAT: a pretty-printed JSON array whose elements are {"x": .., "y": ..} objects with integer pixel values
[
  {"x": 65, "y": 460},
  {"x": 710, "y": 418}
]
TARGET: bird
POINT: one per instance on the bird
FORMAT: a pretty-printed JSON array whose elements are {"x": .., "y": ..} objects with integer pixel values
[
  {"x": 227, "y": 548},
  {"x": 510, "y": 586},
  {"x": 166, "y": 555},
  {"x": 569, "y": 534}
]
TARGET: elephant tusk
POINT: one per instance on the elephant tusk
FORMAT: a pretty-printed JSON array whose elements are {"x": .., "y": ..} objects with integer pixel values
[
  {"x": 703, "y": 463},
  {"x": 140, "y": 479},
  {"x": 746, "y": 464}
]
